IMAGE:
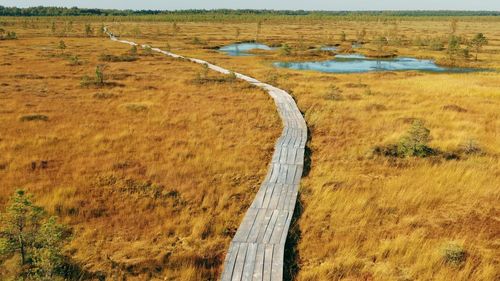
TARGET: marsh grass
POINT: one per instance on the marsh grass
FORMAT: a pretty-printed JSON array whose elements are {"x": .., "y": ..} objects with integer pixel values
[
  {"x": 136, "y": 107},
  {"x": 153, "y": 177},
  {"x": 364, "y": 217},
  {"x": 33, "y": 117}
]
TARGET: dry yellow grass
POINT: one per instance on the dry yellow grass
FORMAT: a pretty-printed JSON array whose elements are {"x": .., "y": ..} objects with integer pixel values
[
  {"x": 365, "y": 217},
  {"x": 152, "y": 171}
]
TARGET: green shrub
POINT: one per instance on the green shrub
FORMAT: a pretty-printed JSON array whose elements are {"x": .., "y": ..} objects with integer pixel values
[
  {"x": 414, "y": 142},
  {"x": 136, "y": 107},
  {"x": 454, "y": 254},
  {"x": 99, "y": 75},
  {"x": 231, "y": 76},
  {"x": 86, "y": 81},
  {"x": 285, "y": 50},
  {"x": 436, "y": 44},
  {"x": 37, "y": 239},
  {"x": 104, "y": 96},
  {"x": 74, "y": 60},
  {"x": 148, "y": 51},
  {"x": 99, "y": 78},
  {"x": 133, "y": 50},
  {"x": 114, "y": 58},
  {"x": 34, "y": 117},
  {"x": 197, "y": 41},
  {"x": 7, "y": 35}
]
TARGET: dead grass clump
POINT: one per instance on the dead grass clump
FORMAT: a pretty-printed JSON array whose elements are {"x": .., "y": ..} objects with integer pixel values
[
  {"x": 333, "y": 93},
  {"x": 104, "y": 96},
  {"x": 471, "y": 147},
  {"x": 33, "y": 117},
  {"x": 136, "y": 107},
  {"x": 115, "y": 58},
  {"x": 454, "y": 107},
  {"x": 29, "y": 76},
  {"x": 356, "y": 85},
  {"x": 204, "y": 79},
  {"x": 375, "y": 107}
]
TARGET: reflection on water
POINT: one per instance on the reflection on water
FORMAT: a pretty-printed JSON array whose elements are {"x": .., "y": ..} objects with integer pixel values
[
  {"x": 328, "y": 48},
  {"x": 355, "y": 63},
  {"x": 241, "y": 49}
]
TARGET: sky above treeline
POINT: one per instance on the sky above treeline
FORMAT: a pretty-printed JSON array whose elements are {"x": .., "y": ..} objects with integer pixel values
[{"x": 330, "y": 5}]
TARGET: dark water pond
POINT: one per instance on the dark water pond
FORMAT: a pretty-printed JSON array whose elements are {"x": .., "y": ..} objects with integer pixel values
[
  {"x": 242, "y": 49},
  {"x": 355, "y": 63}
]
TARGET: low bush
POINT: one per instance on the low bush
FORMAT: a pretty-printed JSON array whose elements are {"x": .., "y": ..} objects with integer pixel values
[
  {"x": 114, "y": 58},
  {"x": 136, "y": 107},
  {"x": 34, "y": 238},
  {"x": 454, "y": 254},
  {"x": 454, "y": 107},
  {"x": 7, "y": 35},
  {"x": 285, "y": 50},
  {"x": 412, "y": 144},
  {"x": 33, "y": 117},
  {"x": 470, "y": 147},
  {"x": 104, "y": 96},
  {"x": 74, "y": 60},
  {"x": 98, "y": 81},
  {"x": 148, "y": 51}
]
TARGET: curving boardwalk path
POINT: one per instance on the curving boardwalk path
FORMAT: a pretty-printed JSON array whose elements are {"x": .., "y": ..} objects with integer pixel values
[{"x": 256, "y": 252}]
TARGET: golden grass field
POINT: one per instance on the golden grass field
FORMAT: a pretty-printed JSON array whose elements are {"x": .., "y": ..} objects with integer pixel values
[
  {"x": 364, "y": 217},
  {"x": 153, "y": 176}
]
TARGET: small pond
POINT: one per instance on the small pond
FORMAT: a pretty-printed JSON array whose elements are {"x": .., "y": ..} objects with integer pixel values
[
  {"x": 242, "y": 49},
  {"x": 356, "y": 63}
]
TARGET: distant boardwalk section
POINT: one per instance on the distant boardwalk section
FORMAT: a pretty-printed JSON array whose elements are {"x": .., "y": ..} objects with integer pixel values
[{"x": 257, "y": 250}]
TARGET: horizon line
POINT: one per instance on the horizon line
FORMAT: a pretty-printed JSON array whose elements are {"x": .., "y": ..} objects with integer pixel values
[{"x": 256, "y": 9}]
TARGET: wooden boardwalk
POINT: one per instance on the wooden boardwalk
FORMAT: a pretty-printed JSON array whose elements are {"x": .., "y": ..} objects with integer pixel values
[{"x": 256, "y": 252}]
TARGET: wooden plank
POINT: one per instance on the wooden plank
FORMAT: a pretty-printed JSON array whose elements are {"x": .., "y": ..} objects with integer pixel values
[
  {"x": 260, "y": 222},
  {"x": 270, "y": 227},
  {"x": 283, "y": 197},
  {"x": 284, "y": 234},
  {"x": 279, "y": 228},
  {"x": 273, "y": 203},
  {"x": 265, "y": 224},
  {"x": 249, "y": 262},
  {"x": 230, "y": 261},
  {"x": 259, "y": 197},
  {"x": 240, "y": 262},
  {"x": 278, "y": 262},
  {"x": 269, "y": 194},
  {"x": 246, "y": 225},
  {"x": 283, "y": 172},
  {"x": 298, "y": 174},
  {"x": 268, "y": 262},
  {"x": 276, "y": 172},
  {"x": 290, "y": 175},
  {"x": 292, "y": 154},
  {"x": 258, "y": 271}
]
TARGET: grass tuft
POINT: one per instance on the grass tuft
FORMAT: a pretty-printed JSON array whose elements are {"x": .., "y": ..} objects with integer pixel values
[{"x": 34, "y": 117}]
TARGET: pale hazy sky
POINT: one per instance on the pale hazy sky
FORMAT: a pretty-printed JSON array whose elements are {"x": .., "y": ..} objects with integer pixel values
[{"x": 491, "y": 5}]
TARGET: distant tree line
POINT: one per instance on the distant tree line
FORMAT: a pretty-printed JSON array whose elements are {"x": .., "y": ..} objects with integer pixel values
[{"x": 74, "y": 11}]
